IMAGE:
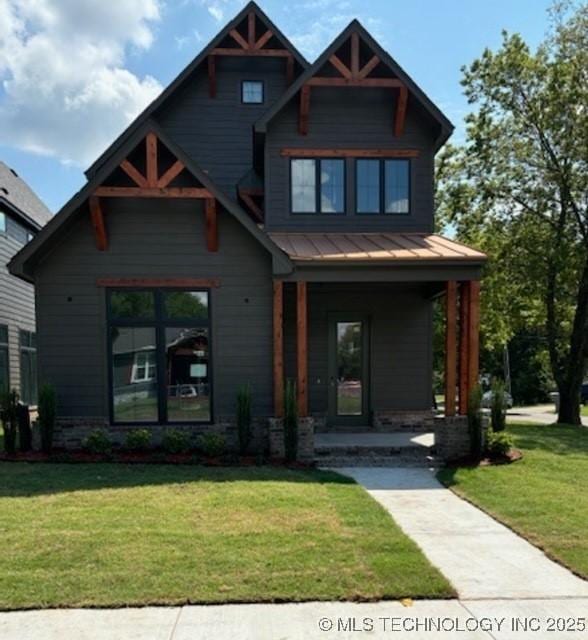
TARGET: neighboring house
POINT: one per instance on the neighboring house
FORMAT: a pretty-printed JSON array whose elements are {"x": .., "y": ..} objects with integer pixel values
[
  {"x": 22, "y": 215},
  {"x": 263, "y": 219}
]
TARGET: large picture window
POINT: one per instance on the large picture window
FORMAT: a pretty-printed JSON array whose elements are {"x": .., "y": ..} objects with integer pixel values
[
  {"x": 4, "y": 361},
  {"x": 28, "y": 367},
  {"x": 160, "y": 356},
  {"x": 317, "y": 186},
  {"x": 382, "y": 186}
]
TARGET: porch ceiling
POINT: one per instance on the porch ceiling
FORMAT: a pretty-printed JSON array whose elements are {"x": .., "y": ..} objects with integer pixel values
[{"x": 391, "y": 248}]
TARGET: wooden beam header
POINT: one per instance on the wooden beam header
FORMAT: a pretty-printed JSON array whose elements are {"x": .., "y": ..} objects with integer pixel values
[
  {"x": 295, "y": 152},
  {"x": 159, "y": 282}
]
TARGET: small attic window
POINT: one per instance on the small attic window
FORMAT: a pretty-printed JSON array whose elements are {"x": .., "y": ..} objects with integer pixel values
[
  {"x": 252, "y": 92},
  {"x": 14, "y": 173},
  {"x": 4, "y": 190}
]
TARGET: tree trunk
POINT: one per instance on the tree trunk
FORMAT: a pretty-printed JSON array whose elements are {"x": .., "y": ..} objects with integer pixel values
[{"x": 569, "y": 391}]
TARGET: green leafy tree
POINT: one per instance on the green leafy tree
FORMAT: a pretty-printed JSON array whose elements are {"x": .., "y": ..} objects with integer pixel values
[{"x": 518, "y": 189}]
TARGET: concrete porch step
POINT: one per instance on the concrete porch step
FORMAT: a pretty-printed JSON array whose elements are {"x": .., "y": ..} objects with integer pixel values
[{"x": 401, "y": 460}]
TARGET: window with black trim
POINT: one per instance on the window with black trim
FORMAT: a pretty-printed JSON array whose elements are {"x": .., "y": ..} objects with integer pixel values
[
  {"x": 317, "y": 186},
  {"x": 382, "y": 186},
  {"x": 252, "y": 92},
  {"x": 159, "y": 349},
  {"x": 28, "y": 367},
  {"x": 4, "y": 360}
]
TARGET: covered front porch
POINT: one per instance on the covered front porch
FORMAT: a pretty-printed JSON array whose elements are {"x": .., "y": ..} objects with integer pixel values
[{"x": 357, "y": 337}]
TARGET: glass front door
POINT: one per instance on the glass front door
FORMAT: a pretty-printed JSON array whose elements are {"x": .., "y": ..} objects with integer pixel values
[{"x": 348, "y": 379}]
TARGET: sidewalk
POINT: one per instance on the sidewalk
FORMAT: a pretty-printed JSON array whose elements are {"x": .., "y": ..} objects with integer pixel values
[{"x": 486, "y": 619}]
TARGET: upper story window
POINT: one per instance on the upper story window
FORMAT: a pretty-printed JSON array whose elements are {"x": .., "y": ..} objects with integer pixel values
[
  {"x": 382, "y": 186},
  {"x": 252, "y": 92},
  {"x": 317, "y": 186},
  {"x": 2, "y": 222}
]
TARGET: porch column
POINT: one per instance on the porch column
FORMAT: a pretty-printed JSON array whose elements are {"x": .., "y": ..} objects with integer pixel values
[
  {"x": 469, "y": 341},
  {"x": 301, "y": 350},
  {"x": 278, "y": 340},
  {"x": 450, "y": 346}
]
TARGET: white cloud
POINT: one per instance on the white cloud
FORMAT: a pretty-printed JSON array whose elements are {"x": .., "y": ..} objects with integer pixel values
[{"x": 66, "y": 90}]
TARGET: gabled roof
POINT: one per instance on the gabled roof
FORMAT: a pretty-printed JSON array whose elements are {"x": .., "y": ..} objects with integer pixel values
[
  {"x": 21, "y": 199},
  {"x": 201, "y": 57},
  {"x": 385, "y": 58},
  {"x": 20, "y": 263}
]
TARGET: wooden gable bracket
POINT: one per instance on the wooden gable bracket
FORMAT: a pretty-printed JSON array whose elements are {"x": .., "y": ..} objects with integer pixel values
[
  {"x": 248, "y": 195},
  {"x": 248, "y": 47},
  {"x": 354, "y": 76},
  {"x": 152, "y": 185},
  {"x": 97, "y": 216}
]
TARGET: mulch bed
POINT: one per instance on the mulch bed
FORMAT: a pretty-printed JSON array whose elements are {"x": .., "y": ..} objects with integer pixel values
[
  {"x": 145, "y": 457},
  {"x": 514, "y": 455}
]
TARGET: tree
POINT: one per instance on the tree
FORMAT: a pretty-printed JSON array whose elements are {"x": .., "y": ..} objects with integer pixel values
[{"x": 518, "y": 188}]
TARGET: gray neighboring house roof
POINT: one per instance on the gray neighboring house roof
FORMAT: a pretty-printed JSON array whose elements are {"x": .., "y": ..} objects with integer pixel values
[{"x": 16, "y": 194}]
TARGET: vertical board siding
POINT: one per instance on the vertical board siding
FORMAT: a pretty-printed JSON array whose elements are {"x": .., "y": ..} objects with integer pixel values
[
  {"x": 349, "y": 118},
  {"x": 17, "y": 300},
  {"x": 401, "y": 347},
  {"x": 218, "y": 132},
  {"x": 149, "y": 238}
]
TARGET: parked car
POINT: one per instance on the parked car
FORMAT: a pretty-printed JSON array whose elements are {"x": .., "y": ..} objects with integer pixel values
[{"x": 487, "y": 400}]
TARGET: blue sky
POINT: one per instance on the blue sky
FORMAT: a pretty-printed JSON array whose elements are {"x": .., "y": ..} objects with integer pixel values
[{"x": 75, "y": 72}]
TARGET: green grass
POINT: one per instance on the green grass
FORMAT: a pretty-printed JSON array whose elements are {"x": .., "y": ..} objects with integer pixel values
[
  {"x": 110, "y": 535},
  {"x": 584, "y": 409},
  {"x": 544, "y": 497}
]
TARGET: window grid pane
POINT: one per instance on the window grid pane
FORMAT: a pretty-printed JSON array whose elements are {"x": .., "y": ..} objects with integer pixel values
[
  {"x": 332, "y": 186},
  {"x": 252, "y": 92},
  {"x": 396, "y": 186},
  {"x": 303, "y": 187},
  {"x": 186, "y": 304},
  {"x": 132, "y": 305},
  {"x": 368, "y": 186}
]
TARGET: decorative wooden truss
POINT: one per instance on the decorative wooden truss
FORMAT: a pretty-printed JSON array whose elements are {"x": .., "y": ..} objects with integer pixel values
[
  {"x": 251, "y": 45},
  {"x": 354, "y": 75},
  {"x": 160, "y": 179}
]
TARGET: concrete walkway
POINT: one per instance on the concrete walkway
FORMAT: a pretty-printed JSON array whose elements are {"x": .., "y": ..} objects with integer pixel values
[
  {"x": 467, "y": 620},
  {"x": 540, "y": 413},
  {"x": 482, "y": 558}
]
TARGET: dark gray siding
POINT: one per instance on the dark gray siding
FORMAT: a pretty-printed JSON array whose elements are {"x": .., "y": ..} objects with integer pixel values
[
  {"x": 349, "y": 118},
  {"x": 153, "y": 239},
  {"x": 17, "y": 298},
  {"x": 400, "y": 344},
  {"x": 218, "y": 132}
]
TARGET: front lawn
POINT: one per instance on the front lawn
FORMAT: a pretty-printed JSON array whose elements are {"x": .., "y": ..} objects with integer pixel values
[
  {"x": 544, "y": 497},
  {"x": 105, "y": 534},
  {"x": 584, "y": 409}
]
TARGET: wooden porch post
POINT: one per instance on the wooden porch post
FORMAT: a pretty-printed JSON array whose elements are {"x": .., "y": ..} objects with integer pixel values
[
  {"x": 474, "y": 335},
  {"x": 301, "y": 350},
  {"x": 464, "y": 343},
  {"x": 278, "y": 348},
  {"x": 450, "y": 346}
]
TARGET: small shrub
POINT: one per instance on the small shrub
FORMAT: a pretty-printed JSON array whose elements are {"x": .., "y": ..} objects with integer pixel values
[
  {"x": 498, "y": 406},
  {"x": 47, "y": 408},
  {"x": 244, "y": 418},
  {"x": 9, "y": 418},
  {"x": 138, "y": 440},
  {"x": 176, "y": 441},
  {"x": 475, "y": 423},
  {"x": 290, "y": 421},
  {"x": 499, "y": 444},
  {"x": 25, "y": 435},
  {"x": 212, "y": 444},
  {"x": 98, "y": 442}
]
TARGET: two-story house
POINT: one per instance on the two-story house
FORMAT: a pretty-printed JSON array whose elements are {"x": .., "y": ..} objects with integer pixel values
[
  {"x": 22, "y": 215},
  {"x": 263, "y": 219}
]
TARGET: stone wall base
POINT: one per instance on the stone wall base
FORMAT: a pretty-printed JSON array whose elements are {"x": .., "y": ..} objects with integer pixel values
[
  {"x": 277, "y": 447},
  {"x": 452, "y": 438},
  {"x": 388, "y": 420},
  {"x": 70, "y": 433}
]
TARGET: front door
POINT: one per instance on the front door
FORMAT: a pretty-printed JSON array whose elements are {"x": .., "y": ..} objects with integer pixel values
[{"x": 348, "y": 370}]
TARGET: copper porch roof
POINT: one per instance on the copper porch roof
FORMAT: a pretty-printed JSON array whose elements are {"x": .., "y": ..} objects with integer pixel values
[{"x": 374, "y": 247}]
